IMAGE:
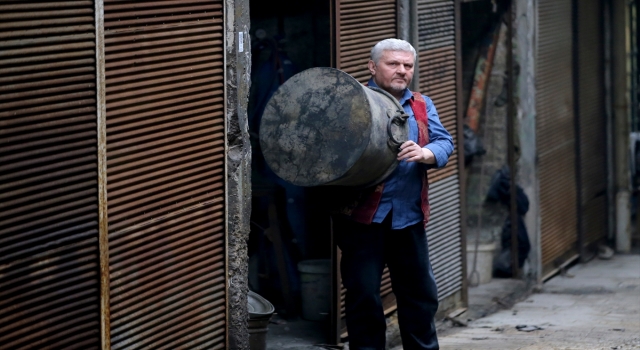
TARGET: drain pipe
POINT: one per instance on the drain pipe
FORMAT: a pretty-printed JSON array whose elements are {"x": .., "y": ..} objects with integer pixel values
[
  {"x": 415, "y": 41},
  {"x": 620, "y": 89},
  {"x": 511, "y": 156},
  {"x": 608, "y": 102}
]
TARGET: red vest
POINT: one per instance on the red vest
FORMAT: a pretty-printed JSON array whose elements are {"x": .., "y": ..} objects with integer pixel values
[{"x": 364, "y": 209}]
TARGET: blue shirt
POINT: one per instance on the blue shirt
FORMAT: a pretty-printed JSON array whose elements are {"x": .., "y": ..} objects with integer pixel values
[{"x": 401, "y": 194}]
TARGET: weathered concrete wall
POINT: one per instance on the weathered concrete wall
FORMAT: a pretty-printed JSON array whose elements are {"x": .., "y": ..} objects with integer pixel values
[
  {"x": 493, "y": 132},
  {"x": 238, "y": 77},
  {"x": 525, "y": 53}
]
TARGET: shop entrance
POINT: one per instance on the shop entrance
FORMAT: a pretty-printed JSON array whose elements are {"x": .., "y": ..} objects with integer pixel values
[{"x": 290, "y": 242}]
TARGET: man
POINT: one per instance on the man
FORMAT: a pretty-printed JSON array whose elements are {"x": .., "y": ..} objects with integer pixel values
[{"x": 386, "y": 225}]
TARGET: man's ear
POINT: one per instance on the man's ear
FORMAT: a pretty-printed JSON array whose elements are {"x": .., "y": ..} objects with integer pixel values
[{"x": 372, "y": 67}]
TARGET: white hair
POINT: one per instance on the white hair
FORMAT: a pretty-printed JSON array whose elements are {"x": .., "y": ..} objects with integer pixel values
[{"x": 391, "y": 45}]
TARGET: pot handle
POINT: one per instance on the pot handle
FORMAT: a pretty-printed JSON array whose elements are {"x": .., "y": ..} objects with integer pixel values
[{"x": 400, "y": 118}]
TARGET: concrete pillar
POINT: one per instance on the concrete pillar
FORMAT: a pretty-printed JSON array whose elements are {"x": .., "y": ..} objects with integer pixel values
[
  {"x": 238, "y": 164},
  {"x": 404, "y": 17},
  {"x": 407, "y": 12},
  {"x": 525, "y": 46},
  {"x": 620, "y": 103}
]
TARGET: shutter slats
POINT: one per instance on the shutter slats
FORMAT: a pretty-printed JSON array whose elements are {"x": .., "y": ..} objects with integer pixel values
[
  {"x": 438, "y": 82},
  {"x": 437, "y": 64},
  {"x": 164, "y": 90},
  {"x": 436, "y": 25},
  {"x": 443, "y": 234},
  {"x": 80, "y": 5},
  {"x": 131, "y": 84},
  {"x": 176, "y": 102},
  {"x": 362, "y": 24},
  {"x": 555, "y": 132},
  {"x": 165, "y": 151},
  {"x": 48, "y": 183},
  {"x": 592, "y": 122}
]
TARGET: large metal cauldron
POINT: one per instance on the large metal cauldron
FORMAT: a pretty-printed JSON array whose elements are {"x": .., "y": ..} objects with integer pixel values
[{"x": 322, "y": 127}]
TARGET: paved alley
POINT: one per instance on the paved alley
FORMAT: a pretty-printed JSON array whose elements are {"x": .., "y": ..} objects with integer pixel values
[{"x": 595, "y": 306}]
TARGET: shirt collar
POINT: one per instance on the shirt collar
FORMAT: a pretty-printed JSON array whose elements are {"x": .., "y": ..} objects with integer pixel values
[{"x": 405, "y": 96}]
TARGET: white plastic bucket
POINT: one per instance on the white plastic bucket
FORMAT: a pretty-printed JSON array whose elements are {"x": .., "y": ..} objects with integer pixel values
[
  {"x": 315, "y": 287},
  {"x": 484, "y": 264}
]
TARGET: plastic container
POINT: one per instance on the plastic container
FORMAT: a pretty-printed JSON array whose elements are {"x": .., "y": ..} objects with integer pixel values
[
  {"x": 315, "y": 288},
  {"x": 260, "y": 312},
  {"x": 484, "y": 264}
]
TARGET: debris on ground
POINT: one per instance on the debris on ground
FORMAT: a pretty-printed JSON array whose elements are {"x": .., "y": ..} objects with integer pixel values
[
  {"x": 457, "y": 322},
  {"x": 596, "y": 309},
  {"x": 605, "y": 252},
  {"x": 528, "y": 328},
  {"x": 500, "y": 302},
  {"x": 565, "y": 274}
]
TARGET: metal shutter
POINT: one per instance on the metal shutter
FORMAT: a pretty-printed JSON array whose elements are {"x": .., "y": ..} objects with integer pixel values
[
  {"x": 360, "y": 24},
  {"x": 443, "y": 232},
  {"x": 555, "y": 136},
  {"x": 591, "y": 122},
  {"x": 49, "y": 257},
  {"x": 165, "y": 151},
  {"x": 437, "y": 62}
]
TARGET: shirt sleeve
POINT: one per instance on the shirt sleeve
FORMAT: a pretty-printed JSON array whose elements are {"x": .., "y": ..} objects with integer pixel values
[{"x": 440, "y": 141}]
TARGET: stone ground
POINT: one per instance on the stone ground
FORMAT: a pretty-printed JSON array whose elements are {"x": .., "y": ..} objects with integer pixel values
[
  {"x": 594, "y": 306},
  {"x": 295, "y": 335}
]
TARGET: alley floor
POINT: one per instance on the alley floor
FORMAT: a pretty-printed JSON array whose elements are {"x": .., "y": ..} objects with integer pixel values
[{"x": 594, "y": 306}]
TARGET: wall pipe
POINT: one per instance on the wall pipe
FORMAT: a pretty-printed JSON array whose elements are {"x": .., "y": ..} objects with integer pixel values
[{"x": 511, "y": 157}]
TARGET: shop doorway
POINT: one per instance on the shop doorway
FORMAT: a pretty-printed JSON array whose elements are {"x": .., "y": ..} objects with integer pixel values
[{"x": 290, "y": 243}]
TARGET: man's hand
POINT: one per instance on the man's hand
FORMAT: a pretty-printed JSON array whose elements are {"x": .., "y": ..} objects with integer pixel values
[{"x": 412, "y": 152}]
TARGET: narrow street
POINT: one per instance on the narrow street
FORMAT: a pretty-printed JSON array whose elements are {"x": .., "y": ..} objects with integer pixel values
[{"x": 594, "y": 306}]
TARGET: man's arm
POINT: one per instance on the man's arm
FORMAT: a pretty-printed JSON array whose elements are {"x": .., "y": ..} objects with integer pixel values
[
  {"x": 436, "y": 153},
  {"x": 440, "y": 141}
]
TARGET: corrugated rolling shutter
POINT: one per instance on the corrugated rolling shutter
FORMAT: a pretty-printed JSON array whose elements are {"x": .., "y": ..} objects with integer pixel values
[
  {"x": 443, "y": 232},
  {"x": 437, "y": 63},
  {"x": 591, "y": 121},
  {"x": 49, "y": 257},
  {"x": 165, "y": 152},
  {"x": 555, "y": 136},
  {"x": 360, "y": 24}
]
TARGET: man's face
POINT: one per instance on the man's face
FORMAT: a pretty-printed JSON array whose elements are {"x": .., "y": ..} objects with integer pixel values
[{"x": 393, "y": 72}]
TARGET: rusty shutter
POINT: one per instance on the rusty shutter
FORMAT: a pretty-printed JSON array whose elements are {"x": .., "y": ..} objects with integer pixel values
[
  {"x": 360, "y": 24},
  {"x": 49, "y": 258},
  {"x": 437, "y": 62},
  {"x": 591, "y": 121},
  {"x": 165, "y": 163},
  {"x": 444, "y": 236},
  {"x": 437, "y": 46},
  {"x": 555, "y": 136}
]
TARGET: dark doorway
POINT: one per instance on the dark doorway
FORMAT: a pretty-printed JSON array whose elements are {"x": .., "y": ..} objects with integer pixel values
[{"x": 289, "y": 243}]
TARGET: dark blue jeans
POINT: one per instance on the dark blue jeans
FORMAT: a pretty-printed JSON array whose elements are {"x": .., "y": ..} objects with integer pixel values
[{"x": 365, "y": 251}]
